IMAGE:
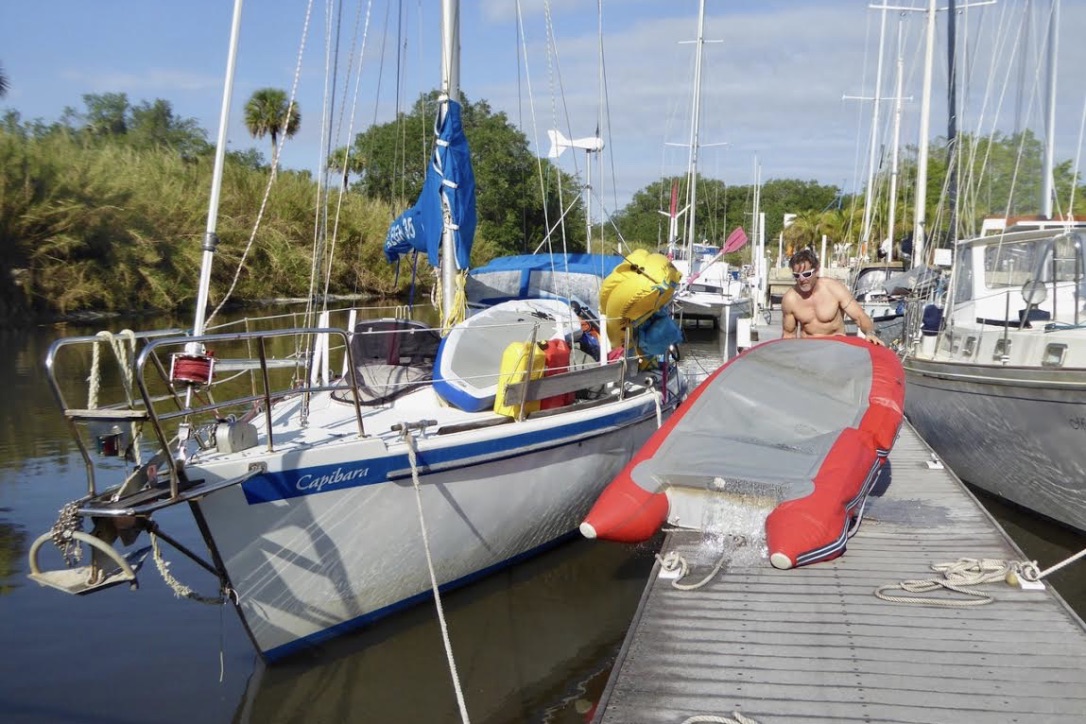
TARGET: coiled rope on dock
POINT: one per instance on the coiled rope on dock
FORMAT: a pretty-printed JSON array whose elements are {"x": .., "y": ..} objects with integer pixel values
[
  {"x": 969, "y": 572},
  {"x": 956, "y": 576}
]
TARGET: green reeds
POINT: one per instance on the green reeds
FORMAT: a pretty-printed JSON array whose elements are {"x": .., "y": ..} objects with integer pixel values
[{"x": 96, "y": 225}]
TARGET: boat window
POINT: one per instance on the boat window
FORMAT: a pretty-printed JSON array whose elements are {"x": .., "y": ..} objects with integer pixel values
[
  {"x": 871, "y": 281},
  {"x": 1062, "y": 261},
  {"x": 1054, "y": 355},
  {"x": 970, "y": 346},
  {"x": 1002, "y": 350},
  {"x": 1010, "y": 265}
]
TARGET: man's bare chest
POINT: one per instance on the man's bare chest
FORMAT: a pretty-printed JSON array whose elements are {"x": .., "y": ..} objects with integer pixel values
[{"x": 820, "y": 307}]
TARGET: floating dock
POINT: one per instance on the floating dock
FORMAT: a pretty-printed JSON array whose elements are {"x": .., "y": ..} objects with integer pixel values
[{"x": 814, "y": 644}]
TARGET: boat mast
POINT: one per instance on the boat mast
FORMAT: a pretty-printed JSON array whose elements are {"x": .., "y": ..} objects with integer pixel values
[
  {"x": 758, "y": 244},
  {"x": 894, "y": 150},
  {"x": 450, "y": 91},
  {"x": 673, "y": 220},
  {"x": 869, "y": 200},
  {"x": 1048, "y": 186},
  {"x": 211, "y": 240},
  {"x": 695, "y": 120},
  {"x": 952, "y": 120},
  {"x": 920, "y": 224}
]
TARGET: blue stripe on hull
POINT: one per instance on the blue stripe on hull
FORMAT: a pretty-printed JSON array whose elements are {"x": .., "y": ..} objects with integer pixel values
[{"x": 273, "y": 486}]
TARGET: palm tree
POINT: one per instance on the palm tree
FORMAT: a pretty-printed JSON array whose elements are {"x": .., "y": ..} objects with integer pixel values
[
  {"x": 3, "y": 83},
  {"x": 347, "y": 160},
  {"x": 804, "y": 231},
  {"x": 269, "y": 113}
]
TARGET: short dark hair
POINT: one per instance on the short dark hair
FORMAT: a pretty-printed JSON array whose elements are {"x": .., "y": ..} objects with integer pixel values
[{"x": 804, "y": 255}]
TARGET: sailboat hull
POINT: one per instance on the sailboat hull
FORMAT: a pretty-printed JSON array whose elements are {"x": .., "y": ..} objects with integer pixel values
[
  {"x": 1016, "y": 432},
  {"x": 337, "y": 542}
]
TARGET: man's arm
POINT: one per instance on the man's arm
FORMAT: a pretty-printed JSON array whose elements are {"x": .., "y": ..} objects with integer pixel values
[
  {"x": 852, "y": 308},
  {"x": 788, "y": 316}
]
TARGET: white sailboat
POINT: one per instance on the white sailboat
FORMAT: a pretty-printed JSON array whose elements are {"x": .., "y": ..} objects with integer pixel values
[
  {"x": 998, "y": 387},
  {"x": 710, "y": 289},
  {"x": 329, "y": 496}
]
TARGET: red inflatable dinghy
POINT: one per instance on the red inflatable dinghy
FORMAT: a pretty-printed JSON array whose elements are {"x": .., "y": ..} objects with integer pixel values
[{"x": 803, "y": 423}]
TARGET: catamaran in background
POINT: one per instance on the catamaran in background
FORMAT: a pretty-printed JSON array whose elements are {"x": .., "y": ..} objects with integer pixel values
[{"x": 346, "y": 467}]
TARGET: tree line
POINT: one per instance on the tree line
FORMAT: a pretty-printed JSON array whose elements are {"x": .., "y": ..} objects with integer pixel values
[{"x": 104, "y": 209}]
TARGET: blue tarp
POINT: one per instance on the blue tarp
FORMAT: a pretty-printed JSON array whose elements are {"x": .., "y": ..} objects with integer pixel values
[
  {"x": 448, "y": 177},
  {"x": 599, "y": 265},
  {"x": 533, "y": 276}
]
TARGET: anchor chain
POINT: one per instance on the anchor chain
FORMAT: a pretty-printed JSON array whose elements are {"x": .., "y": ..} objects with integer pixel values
[{"x": 68, "y": 521}]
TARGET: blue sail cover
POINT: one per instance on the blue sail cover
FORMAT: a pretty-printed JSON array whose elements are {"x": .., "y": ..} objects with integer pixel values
[
  {"x": 448, "y": 178},
  {"x": 574, "y": 276}
]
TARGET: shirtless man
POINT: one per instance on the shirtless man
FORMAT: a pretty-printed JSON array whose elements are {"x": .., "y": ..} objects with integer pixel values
[{"x": 816, "y": 306}]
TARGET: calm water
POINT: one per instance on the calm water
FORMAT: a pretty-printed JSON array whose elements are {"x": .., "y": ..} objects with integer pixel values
[{"x": 534, "y": 643}]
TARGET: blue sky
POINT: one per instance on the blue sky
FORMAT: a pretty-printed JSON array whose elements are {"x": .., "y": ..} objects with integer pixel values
[{"x": 773, "y": 88}]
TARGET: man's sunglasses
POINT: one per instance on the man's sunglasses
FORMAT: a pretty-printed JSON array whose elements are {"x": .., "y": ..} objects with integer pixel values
[{"x": 803, "y": 274}]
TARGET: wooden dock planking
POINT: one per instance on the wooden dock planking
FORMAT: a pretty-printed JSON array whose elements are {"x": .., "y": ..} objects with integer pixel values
[{"x": 815, "y": 645}]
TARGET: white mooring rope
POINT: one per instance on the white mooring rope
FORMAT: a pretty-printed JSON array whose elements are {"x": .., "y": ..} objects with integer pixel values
[
  {"x": 956, "y": 576},
  {"x": 735, "y": 718},
  {"x": 673, "y": 561},
  {"x": 970, "y": 572},
  {"x": 410, "y": 440},
  {"x": 1031, "y": 573}
]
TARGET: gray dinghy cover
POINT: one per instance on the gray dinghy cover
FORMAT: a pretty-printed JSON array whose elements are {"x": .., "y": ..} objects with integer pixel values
[{"x": 803, "y": 422}]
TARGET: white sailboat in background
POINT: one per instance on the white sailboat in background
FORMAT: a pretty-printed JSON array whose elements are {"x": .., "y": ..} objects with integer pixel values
[
  {"x": 340, "y": 485},
  {"x": 710, "y": 289},
  {"x": 998, "y": 387}
]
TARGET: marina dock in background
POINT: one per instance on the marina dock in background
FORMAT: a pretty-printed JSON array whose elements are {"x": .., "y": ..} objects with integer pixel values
[{"x": 815, "y": 644}]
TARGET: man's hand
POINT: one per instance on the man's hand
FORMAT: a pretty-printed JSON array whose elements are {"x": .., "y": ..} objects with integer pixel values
[{"x": 874, "y": 339}]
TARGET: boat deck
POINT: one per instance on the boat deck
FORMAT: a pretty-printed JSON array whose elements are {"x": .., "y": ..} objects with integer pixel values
[{"x": 815, "y": 645}]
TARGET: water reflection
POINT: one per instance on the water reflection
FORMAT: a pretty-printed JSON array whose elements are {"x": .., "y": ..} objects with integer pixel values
[
  {"x": 532, "y": 644},
  {"x": 13, "y": 547},
  {"x": 24, "y": 431},
  {"x": 31, "y": 425},
  {"x": 1046, "y": 542}
]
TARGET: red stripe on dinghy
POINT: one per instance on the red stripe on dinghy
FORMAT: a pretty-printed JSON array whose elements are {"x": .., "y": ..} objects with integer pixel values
[
  {"x": 814, "y": 528},
  {"x": 625, "y": 512},
  {"x": 886, "y": 402}
]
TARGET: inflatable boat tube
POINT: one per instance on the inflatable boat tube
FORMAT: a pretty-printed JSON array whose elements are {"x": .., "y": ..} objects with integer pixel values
[{"x": 806, "y": 423}]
